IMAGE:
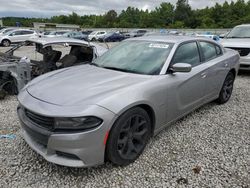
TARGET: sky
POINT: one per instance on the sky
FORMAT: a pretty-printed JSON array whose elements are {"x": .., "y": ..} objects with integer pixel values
[{"x": 48, "y": 8}]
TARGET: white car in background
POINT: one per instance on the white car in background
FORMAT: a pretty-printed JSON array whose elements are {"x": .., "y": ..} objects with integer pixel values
[
  {"x": 239, "y": 39},
  {"x": 95, "y": 35},
  {"x": 16, "y": 36}
]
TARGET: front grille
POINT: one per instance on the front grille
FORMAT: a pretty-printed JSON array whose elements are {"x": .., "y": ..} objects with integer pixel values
[
  {"x": 42, "y": 121},
  {"x": 242, "y": 51}
]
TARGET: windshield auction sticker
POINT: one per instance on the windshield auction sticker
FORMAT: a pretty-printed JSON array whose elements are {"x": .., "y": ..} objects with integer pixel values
[{"x": 158, "y": 45}]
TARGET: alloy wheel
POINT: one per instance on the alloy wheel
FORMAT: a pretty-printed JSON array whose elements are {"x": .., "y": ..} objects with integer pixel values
[
  {"x": 132, "y": 137},
  {"x": 227, "y": 88},
  {"x": 6, "y": 43}
]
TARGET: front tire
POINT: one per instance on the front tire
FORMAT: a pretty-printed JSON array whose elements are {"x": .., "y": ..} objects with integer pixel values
[
  {"x": 128, "y": 137},
  {"x": 6, "y": 43},
  {"x": 227, "y": 89}
]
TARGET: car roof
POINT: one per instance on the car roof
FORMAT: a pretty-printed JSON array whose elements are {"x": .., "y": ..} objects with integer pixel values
[
  {"x": 21, "y": 30},
  {"x": 45, "y": 41},
  {"x": 57, "y": 40},
  {"x": 171, "y": 38}
]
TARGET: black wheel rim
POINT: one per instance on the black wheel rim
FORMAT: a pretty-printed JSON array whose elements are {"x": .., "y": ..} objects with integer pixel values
[
  {"x": 133, "y": 137},
  {"x": 228, "y": 88}
]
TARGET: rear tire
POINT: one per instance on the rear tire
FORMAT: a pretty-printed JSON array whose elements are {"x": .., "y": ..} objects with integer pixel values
[
  {"x": 227, "y": 89},
  {"x": 6, "y": 43},
  {"x": 11, "y": 88},
  {"x": 3, "y": 94},
  {"x": 128, "y": 137}
]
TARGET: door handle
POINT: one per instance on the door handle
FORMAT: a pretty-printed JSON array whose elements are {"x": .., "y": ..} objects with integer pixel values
[
  {"x": 226, "y": 64},
  {"x": 203, "y": 75}
]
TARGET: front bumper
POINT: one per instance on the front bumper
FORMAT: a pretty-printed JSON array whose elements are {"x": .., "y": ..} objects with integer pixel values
[
  {"x": 245, "y": 63},
  {"x": 80, "y": 149},
  {"x": 73, "y": 149}
]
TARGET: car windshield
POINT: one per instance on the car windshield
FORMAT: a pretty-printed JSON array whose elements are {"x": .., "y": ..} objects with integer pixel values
[
  {"x": 141, "y": 57},
  {"x": 240, "y": 32},
  {"x": 9, "y": 32},
  {"x": 5, "y": 30}
]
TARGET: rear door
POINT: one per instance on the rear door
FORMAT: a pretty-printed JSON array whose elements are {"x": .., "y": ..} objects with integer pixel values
[
  {"x": 26, "y": 35},
  {"x": 217, "y": 67},
  {"x": 188, "y": 89}
]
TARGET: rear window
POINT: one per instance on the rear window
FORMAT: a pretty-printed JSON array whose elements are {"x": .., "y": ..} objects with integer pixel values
[
  {"x": 27, "y": 32},
  {"x": 209, "y": 50}
]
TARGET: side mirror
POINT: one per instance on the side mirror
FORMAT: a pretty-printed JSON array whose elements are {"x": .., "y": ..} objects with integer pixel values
[{"x": 181, "y": 67}]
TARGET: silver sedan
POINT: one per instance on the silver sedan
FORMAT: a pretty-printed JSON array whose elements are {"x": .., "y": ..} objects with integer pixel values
[{"x": 108, "y": 110}]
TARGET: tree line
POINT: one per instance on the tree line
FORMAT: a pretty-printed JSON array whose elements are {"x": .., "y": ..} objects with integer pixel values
[{"x": 166, "y": 15}]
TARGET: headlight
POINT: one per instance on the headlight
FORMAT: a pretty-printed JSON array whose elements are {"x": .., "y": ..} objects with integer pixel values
[{"x": 81, "y": 123}]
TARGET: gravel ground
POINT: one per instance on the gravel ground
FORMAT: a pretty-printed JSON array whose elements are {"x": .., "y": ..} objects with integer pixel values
[{"x": 208, "y": 148}]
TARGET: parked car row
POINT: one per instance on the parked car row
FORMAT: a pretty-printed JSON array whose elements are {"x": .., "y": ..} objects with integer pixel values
[{"x": 9, "y": 35}]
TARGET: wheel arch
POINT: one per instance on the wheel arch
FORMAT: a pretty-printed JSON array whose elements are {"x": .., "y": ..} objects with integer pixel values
[
  {"x": 5, "y": 39},
  {"x": 8, "y": 80},
  {"x": 145, "y": 106},
  {"x": 151, "y": 114},
  {"x": 233, "y": 71}
]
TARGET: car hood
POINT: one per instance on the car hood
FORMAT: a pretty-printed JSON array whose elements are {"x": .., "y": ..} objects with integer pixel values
[
  {"x": 85, "y": 84},
  {"x": 236, "y": 43}
]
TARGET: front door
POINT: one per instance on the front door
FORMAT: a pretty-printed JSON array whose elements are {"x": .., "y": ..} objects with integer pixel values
[
  {"x": 16, "y": 36},
  {"x": 187, "y": 90}
]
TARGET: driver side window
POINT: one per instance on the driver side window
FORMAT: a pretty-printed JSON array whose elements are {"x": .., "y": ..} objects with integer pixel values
[{"x": 187, "y": 53}]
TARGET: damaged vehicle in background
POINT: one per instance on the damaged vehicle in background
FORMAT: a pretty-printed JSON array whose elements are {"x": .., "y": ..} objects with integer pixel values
[{"x": 47, "y": 54}]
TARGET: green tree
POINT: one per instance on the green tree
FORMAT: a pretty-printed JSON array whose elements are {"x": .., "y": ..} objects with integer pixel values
[
  {"x": 183, "y": 12},
  {"x": 164, "y": 15},
  {"x": 110, "y": 18}
]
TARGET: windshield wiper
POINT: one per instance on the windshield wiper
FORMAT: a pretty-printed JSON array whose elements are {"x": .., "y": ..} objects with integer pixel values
[{"x": 122, "y": 70}]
